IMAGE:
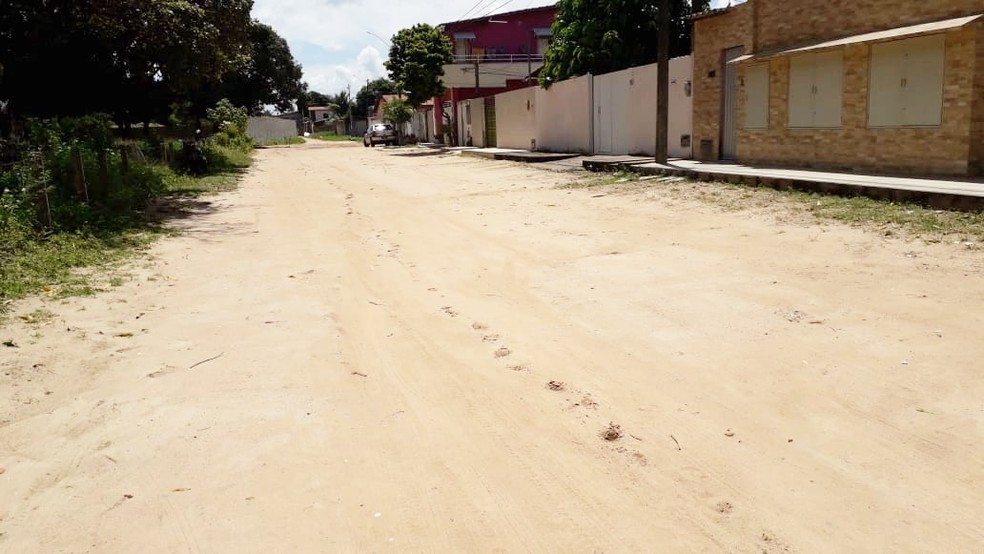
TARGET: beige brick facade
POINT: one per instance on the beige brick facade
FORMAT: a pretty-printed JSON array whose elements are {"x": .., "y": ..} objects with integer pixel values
[
  {"x": 977, "y": 121},
  {"x": 954, "y": 148},
  {"x": 785, "y": 23},
  {"x": 712, "y": 36}
]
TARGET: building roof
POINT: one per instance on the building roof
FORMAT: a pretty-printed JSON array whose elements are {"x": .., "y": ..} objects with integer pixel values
[{"x": 485, "y": 18}]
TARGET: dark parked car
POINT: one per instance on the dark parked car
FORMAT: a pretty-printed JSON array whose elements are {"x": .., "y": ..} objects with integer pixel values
[{"x": 379, "y": 133}]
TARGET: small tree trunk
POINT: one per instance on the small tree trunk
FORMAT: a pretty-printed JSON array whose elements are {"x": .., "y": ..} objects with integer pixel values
[
  {"x": 78, "y": 175},
  {"x": 124, "y": 161},
  {"x": 43, "y": 202},
  {"x": 103, "y": 162}
]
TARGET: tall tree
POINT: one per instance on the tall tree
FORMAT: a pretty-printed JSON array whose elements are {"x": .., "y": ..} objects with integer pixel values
[
  {"x": 119, "y": 55},
  {"x": 365, "y": 99},
  {"x": 315, "y": 98},
  {"x": 416, "y": 62},
  {"x": 267, "y": 74},
  {"x": 600, "y": 36},
  {"x": 342, "y": 102},
  {"x": 399, "y": 113}
]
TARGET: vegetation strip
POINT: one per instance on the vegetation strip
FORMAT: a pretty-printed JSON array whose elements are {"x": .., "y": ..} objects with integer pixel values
[
  {"x": 932, "y": 225},
  {"x": 75, "y": 197}
]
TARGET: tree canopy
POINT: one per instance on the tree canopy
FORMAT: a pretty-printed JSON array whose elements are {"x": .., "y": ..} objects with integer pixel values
[
  {"x": 365, "y": 99},
  {"x": 600, "y": 36},
  {"x": 416, "y": 62},
  {"x": 140, "y": 60},
  {"x": 267, "y": 74}
]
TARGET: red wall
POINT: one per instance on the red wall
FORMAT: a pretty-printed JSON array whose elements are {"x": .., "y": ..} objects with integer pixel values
[{"x": 515, "y": 36}]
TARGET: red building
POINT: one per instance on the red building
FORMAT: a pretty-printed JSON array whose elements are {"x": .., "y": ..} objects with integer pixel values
[{"x": 492, "y": 54}]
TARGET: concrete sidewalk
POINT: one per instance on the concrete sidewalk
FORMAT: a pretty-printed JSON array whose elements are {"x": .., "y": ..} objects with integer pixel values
[
  {"x": 514, "y": 155},
  {"x": 951, "y": 194}
]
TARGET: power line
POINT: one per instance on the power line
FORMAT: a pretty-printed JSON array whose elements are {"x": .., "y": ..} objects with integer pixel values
[
  {"x": 470, "y": 10},
  {"x": 486, "y": 6},
  {"x": 497, "y": 8}
]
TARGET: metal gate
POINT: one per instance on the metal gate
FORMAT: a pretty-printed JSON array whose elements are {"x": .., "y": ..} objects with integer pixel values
[
  {"x": 603, "y": 126},
  {"x": 729, "y": 109},
  {"x": 490, "y": 139}
]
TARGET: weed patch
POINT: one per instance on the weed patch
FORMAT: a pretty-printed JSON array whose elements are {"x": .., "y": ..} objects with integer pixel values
[
  {"x": 75, "y": 199},
  {"x": 327, "y": 135},
  {"x": 282, "y": 141}
]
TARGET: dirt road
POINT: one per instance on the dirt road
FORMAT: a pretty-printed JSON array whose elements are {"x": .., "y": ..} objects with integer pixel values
[{"x": 366, "y": 352}]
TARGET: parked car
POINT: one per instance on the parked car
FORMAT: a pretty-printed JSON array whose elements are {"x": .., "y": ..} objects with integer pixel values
[{"x": 379, "y": 133}]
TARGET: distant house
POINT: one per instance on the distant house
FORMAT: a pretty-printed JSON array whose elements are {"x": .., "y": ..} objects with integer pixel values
[
  {"x": 891, "y": 86},
  {"x": 492, "y": 54},
  {"x": 321, "y": 113},
  {"x": 378, "y": 114}
]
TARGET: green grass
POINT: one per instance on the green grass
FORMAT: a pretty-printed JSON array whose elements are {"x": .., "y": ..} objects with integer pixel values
[
  {"x": 221, "y": 158},
  {"x": 328, "y": 135},
  {"x": 208, "y": 184},
  {"x": 911, "y": 218},
  {"x": 886, "y": 217},
  {"x": 53, "y": 264},
  {"x": 80, "y": 263},
  {"x": 282, "y": 141},
  {"x": 593, "y": 180},
  {"x": 225, "y": 167}
]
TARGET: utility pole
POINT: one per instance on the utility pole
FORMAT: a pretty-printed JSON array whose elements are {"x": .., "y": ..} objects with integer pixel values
[
  {"x": 529, "y": 56},
  {"x": 476, "y": 74},
  {"x": 351, "y": 127},
  {"x": 663, "y": 82}
]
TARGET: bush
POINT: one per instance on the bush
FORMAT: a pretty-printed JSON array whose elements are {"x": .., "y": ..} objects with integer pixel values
[{"x": 230, "y": 123}]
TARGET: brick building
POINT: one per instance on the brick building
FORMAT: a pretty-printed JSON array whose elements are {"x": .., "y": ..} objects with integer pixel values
[{"x": 889, "y": 86}]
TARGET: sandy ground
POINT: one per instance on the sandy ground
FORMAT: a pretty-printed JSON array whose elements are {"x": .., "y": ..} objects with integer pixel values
[{"x": 351, "y": 353}]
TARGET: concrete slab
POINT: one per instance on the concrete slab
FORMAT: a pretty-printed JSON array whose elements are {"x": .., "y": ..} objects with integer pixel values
[
  {"x": 966, "y": 195},
  {"x": 534, "y": 157},
  {"x": 514, "y": 155},
  {"x": 612, "y": 163},
  {"x": 487, "y": 153}
]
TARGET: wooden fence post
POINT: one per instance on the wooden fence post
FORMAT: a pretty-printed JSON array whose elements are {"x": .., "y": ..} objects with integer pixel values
[
  {"x": 124, "y": 161},
  {"x": 78, "y": 175}
]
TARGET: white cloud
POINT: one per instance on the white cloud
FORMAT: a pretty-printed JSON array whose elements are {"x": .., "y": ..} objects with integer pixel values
[{"x": 331, "y": 78}]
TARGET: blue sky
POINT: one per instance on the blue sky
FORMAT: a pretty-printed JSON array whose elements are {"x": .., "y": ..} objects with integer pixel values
[{"x": 334, "y": 39}]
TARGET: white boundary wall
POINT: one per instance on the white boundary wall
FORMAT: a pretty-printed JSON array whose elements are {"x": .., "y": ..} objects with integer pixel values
[
  {"x": 515, "y": 119},
  {"x": 264, "y": 128},
  {"x": 563, "y": 116},
  {"x": 625, "y": 110},
  {"x": 613, "y": 113}
]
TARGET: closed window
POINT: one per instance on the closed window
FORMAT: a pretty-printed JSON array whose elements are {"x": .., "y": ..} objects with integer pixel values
[
  {"x": 816, "y": 90},
  {"x": 757, "y": 96},
  {"x": 906, "y": 86},
  {"x": 463, "y": 43}
]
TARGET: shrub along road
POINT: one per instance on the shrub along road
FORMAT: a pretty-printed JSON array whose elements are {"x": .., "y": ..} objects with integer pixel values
[{"x": 364, "y": 351}]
